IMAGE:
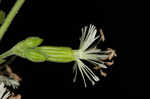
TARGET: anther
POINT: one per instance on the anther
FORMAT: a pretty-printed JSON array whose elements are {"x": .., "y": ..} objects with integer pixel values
[
  {"x": 102, "y": 35},
  {"x": 96, "y": 68},
  {"x": 103, "y": 73},
  {"x": 109, "y": 63}
]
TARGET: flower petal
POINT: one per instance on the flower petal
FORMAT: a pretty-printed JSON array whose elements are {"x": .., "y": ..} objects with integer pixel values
[
  {"x": 80, "y": 65},
  {"x": 2, "y": 91},
  {"x": 87, "y": 71},
  {"x": 88, "y": 37},
  {"x": 75, "y": 71}
]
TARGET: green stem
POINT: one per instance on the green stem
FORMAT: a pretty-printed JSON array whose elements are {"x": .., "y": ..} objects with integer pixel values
[
  {"x": 10, "y": 17},
  {"x": 6, "y": 54}
]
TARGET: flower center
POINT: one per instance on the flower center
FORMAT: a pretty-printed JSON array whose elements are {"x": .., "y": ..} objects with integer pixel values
[{"x": 78, "y": 54}]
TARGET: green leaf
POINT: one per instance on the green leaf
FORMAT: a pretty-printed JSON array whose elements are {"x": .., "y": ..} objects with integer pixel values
[
  {"x": 33, "y": 55},
  {"x": 2, "y": 16}
]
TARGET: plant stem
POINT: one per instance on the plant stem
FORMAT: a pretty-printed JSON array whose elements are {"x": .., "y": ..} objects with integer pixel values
[
  {"x": 6, "y": 54},
  {"x": 10, "y": 17}
]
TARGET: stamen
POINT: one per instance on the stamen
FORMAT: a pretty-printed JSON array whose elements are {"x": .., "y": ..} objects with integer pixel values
[
  {"x": 109, "y": 63},
  {"x": 102, "y": 35},
  {"x": 11, "y": 74},
  {"x": 96, "y": 68},
  {"x": 112, "y": 53},
  {"x": 103, "y": 73}
]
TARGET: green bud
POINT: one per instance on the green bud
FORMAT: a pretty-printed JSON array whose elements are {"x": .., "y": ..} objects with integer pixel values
[
  {"x": 29, "y": 42},
  {"x": 2, "y": 16},
  {"x": 33, "y": 55},
  {"x": 32, "y": 42},
  {"x": 57, "y": 54}
]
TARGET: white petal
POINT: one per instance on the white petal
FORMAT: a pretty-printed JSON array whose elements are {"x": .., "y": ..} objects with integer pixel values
[
  {"x": 95, "y": 57},
  {"x": 93, "y": 51},
  {"x": 98, "y": 64},
  {"x": 93, "y": 83},
  {"x": 83, "y": 33},
  {"x": 2, "y": 89},
  {"x": 79, "y": 65},
  {"x": 88, "y": 43},
  {"x": 88, "y": 37},
  {"x": 75, "y": 71},
  {"x": 87, "y": 71},
  {"x": 9, "y": 82},
  {"x": 6, "y": 95}
]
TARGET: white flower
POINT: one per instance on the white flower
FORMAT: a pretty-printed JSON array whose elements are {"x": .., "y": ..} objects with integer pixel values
[
  {"x": 90, "y": 54},
  {"x": 3, "y": 93},
  {"x": 9, "y": 82}
]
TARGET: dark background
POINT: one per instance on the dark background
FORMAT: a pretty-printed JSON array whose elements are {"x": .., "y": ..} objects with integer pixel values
[{"x": 59, "y": 24}]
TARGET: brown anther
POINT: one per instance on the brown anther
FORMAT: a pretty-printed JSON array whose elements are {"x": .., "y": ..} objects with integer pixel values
[
  {"x": 15, "y": 97},
  {"x": 109, "y": 63},
  {"x": 104, "y": 58},
  {"x": 110, "y": 56},
  {"x": 8, "y": 69},
  {"x": 11, "y": 74},
  {"x": 96, "y": 68},
  {"x": 15, "y": 76},
  {"x": 112, "y": 53},
  {"x": 109, "y": 49},
  {"x": 102, "y": 34},
  {"x": 103, "y": 73}
]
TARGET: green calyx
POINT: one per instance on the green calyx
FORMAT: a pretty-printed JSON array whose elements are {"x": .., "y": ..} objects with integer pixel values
[
  {"x": 25, "y": 49},
  {"x": 57, "y": 54},
  {"x": 32, "y": 42},
  {"x": 29, "y": 42},
  {"x": 34, "y": 56},
  {"x": 30, "y": 49}
]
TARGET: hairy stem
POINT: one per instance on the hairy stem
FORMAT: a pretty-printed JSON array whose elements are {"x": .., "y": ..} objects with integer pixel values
[{"x": 10, "y": 17}]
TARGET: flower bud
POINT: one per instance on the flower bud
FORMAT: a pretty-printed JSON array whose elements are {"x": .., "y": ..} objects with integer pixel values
[{"x": 31, "y": 42}]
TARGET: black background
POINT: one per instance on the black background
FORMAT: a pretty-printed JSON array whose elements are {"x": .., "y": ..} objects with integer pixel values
[{"x": 59, "y": 24}]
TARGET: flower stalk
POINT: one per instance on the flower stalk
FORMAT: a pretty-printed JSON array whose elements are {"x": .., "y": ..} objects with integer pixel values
[
  {"x": 6, "y": 54},
  {"x": 10, "y": 17},
  {"x": 2, "y": 16}
]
